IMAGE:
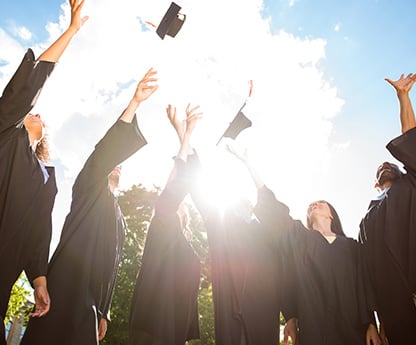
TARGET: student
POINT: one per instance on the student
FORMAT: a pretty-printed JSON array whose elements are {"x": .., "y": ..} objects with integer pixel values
[
  {"x": 27, "y": 185},
  {"x": 164, "y": 309},
  {"x": 388, "y": 229},
  {"x": 83, "y": 268},
  {"x": 327, "y": 292},
  {"x": 245, "y": 269}
]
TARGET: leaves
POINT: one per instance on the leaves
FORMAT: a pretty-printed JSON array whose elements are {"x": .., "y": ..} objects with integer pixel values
[{"x": 18, "y": 302}]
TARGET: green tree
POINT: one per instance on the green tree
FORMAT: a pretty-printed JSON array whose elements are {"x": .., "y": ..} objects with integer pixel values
[
  {"x": 137, "y": 205},
  {"x": 18, "y": 305}
]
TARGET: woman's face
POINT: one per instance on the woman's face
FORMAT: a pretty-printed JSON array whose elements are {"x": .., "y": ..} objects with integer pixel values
[
  {"x": 319, "y": 208},
  {"x": 34, "y": 125}
]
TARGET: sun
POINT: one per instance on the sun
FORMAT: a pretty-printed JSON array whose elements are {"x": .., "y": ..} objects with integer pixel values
[{"x": 224, "y": 180}]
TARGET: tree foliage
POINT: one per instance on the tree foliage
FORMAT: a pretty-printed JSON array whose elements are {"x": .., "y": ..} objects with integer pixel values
[
  {"x": 18, "y": 305},
  {"x": 137, "y": 205}
]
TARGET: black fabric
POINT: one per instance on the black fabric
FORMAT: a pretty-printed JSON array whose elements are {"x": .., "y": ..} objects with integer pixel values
[
  {"x": 389, "y": 237},
  {"x": 245, "y": 270},
  {"x": 330, "y": 300},
  {"x": 82, "y": 271},
  {"x": 26, "y": 202},
  {"x": 164, "y": 308}
]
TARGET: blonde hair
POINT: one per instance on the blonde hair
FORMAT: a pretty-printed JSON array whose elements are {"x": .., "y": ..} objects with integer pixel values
[{"x": 42, "y": 149}]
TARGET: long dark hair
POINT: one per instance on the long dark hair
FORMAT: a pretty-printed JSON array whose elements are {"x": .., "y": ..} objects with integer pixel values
[{"x": 336, "y": 226}]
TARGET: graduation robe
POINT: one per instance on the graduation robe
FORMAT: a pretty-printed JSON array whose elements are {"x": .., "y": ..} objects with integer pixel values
[
  {"x": 388, "y": 232},
  {"x": 328, "y": 282},
  {"x": 164, "y": 308},
  {"x": 83, "y": 268},
  {"x": 245, "y": 269},
  {"x": 26, "y": 201}
]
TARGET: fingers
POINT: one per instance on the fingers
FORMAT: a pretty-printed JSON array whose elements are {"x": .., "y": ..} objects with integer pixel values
[
  {"x": 389, "y": 81},
  {"x": 42, "y": 302},
  {"x": 285, "y": 339},
  {"x": 102, "y": 329}
]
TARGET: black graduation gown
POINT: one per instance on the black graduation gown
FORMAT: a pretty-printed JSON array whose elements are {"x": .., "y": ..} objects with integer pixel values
[
  {"x": 388, "y": 232},
  {"x": 164, "y": 309},
  {"x": 245, "y": 270},
  {"x": 328, "y": 288},
  {"x": 26, "y": 201},
  {"x": 82, "y": 271}
]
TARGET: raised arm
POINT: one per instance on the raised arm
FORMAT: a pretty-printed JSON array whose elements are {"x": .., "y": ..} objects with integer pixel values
[
  {"x": 145, "y": 88},
  {"x": 120, "y": 142},
  {"x": 55, "y": 51},
  {"x": 184, "y": 128},
  {"x": 243, "y": 157},
  {"x": 179, "y": 184},
  {"x": 402, "y": 86}
]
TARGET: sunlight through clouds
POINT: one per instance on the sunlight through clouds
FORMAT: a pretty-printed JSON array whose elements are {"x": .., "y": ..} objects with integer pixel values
[{"x": 221, "y": 46}]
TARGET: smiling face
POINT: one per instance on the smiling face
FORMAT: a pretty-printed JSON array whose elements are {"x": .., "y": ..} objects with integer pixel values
[
  {"x": 387, "y": 173},
  {"x": 35, "y": 126}
]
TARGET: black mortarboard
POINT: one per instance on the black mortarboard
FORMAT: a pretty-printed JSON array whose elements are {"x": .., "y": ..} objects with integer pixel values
[
  {"x": 171, "y": 22},
  {"x": 239, "y": 123}
]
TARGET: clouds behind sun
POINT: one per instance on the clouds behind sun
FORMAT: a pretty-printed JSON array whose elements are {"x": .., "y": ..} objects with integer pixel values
[{"x": 221, "y": 46}]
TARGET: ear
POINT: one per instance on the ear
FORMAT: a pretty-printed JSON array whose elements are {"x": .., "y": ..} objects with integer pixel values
[{"x": 377, "y": 185}]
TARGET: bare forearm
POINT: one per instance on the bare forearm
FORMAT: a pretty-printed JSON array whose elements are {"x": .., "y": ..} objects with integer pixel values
[
  {"x": 254, "y": 175},
  {"x": 55, "y": 51},
  {"x": 39, "y": 281},
  {"x": 185, "y": 148},
  {"x": 407, "y": 115},
  {"x": 128, "y": 114}
]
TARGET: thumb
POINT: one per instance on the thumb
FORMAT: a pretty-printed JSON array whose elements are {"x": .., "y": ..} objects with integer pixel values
[{"x": 389, "y": 81}]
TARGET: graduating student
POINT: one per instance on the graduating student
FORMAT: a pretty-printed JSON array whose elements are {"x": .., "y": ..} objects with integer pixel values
[
  {"x": 164, "y": 306},
  {"x": 83, "y": 269},
  {"x": 246, "y": 271},
  {"x": 27, "y": 186},
  {"x": 325, "y": 291},
  {"x": 332, "y": 306},
  {"x": 388, "y": 230}
]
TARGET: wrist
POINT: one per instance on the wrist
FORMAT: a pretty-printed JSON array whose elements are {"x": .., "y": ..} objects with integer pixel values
[
  {"x": 135, "y": 103},
  {"x": 402, "y": 93},
  {"x": 39, "y": 282}
]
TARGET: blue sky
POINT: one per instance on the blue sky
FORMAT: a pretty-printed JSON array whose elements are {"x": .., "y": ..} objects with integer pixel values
[{"x": 321, "y": 111}]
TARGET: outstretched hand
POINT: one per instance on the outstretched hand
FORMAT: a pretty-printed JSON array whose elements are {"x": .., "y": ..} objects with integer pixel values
[
  {"x": 178, "y": 124},
  {"x": 403, "y": 84},
  {"x": 146, "y": 87},
  {"x": 192, "y": 116},
  {"x": 76, "y": 20}
]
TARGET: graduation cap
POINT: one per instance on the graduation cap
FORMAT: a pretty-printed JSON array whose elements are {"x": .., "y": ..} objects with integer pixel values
[
  {"x": 171, "y": 22},
  {"x": 238, "y": 124}
]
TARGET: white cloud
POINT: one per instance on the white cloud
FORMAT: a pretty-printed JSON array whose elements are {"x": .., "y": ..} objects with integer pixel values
[
  {"x": 337, "y": 27},
  {"x": 209, "y": 63},
  {"x": 24, "y": 33}
]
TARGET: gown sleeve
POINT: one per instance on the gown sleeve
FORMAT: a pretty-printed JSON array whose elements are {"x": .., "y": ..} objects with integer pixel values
[
  {"x": 175, "y": 190},
  {"x": 403, "y": 149},
  {"x": 120, "y": 142},
  {"x": 23, "y": 89}
]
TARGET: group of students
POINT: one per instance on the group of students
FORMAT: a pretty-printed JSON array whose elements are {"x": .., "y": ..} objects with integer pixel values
[{"x": 263, "y": 262}]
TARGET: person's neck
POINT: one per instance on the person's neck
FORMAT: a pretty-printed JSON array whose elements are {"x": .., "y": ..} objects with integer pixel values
[
  {"x": 386, "y": 185},
  {"x": 112, "y": 187},
  {"x": 323, "y": 225},
  {"x": 33, "y": 142}
]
